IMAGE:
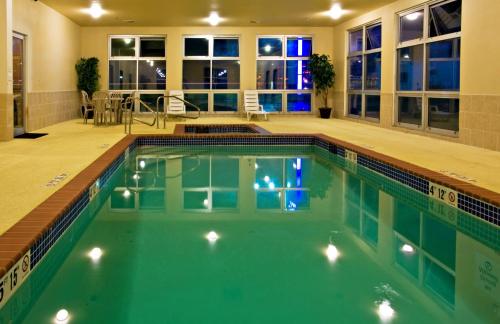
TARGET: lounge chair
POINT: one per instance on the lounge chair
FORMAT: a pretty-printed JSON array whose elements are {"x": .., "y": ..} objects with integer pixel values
[
  {"x": 175, "y": 106},
  {"x": 252, "y": 106}
]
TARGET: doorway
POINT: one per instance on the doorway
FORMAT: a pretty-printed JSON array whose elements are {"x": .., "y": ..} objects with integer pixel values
[{"x": 19, "y": 87}]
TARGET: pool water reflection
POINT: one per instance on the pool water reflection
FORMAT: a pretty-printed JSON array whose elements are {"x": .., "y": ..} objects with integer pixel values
[{"x": 260, "y": 235}]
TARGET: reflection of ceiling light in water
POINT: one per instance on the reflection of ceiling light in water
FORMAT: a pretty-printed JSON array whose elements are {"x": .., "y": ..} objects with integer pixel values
[
  {"x": 256, "y": 186},
  {"x": 62, "y": 316},
  {"x": 336, "y": 11},
  {"x": 205, "y": 202},
  {"x": 142, "y": 164},
  {"x": 332, "y": 253},
  {"x": 295, "y": 166},
  {"x": 288, "y": 185},
  {"x": 299, "y": 164},
  {"x": 135, "y": 176},
  {"x": 267, "y": 48},
  {"x": 214, "y": 19},
  {"x": 256, "y": 166},
  {"x": 95, "y": 254},
  {"x": 126, "y": 193},
  {"x": 292, "y": 206},
  {"x": 271, "y": 185},
  {"x": 212, "y": 237},
  {"x": 151, "y": 63},
  {"x": 408, "y": 249},
  {"x": 385, "y": 311},
  {"x": 413, "y": 16},
  {"x": 266, "y": 179}
]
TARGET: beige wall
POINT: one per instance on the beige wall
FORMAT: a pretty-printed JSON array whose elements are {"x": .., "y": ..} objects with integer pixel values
[
  {"x": 95, "y": 43},
  {"x": 480, "y": 88},
  {"x": 52, "y": 49}
]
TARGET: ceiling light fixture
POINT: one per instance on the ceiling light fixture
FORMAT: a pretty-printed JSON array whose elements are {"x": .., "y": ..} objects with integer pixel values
[
  {"x": 336, "y": 11},
  {"x": 214, "y": 19},
  {"x": 95, "y": 10}
]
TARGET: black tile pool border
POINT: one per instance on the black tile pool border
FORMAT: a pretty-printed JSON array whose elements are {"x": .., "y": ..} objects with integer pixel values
[
  {"x": 38, "y": 231},
  {"x": 207, "y": 129}
]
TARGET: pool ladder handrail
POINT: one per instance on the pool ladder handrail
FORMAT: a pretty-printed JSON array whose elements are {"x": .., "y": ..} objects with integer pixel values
[
  {"x": 128, "y": 112},
  {"x": 165, "y": 113}
]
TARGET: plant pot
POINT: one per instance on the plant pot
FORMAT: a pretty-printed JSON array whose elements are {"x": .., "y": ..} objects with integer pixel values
[{"x": 325, "y": 112}]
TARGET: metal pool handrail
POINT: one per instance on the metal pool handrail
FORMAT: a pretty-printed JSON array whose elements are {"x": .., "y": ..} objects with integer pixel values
[
  {"x": 130, "y": 101},
  {"x": 198, "y": 109}
]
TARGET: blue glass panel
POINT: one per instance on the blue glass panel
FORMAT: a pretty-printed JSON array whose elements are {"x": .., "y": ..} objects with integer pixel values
[
  {"x": 225, "y": 74},
  {"x": 298, "y": 76},
  {"x": 226, "y": 47},
  {"x": 270, "y": 74},
  {"x": 298, "y": 102},
  {"x": 373, "y": 37},
  {"x": 356, "y": 73},
  {"x": 372, "y": 106},
  {"x": 443, "y": 113},
  {"x": 299, "y": 47},
  {"x": 298, "y": 173},
  {"x": 373, "y": 71},
  {"x": 444, "y": 65},
  {"x": 270, "y": 47},
  {"x": 198, "y": 99},
  {"x": 411, "y": 60},
  {"x": 355, "y": 101},
  {"x": 225, "y": 102},
  {"x": 272, "y": 102},
  {"x": 356, "y": 41}
]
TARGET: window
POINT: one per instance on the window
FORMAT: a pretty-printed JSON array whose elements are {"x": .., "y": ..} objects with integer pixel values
[
  {"x": 212, "y": 63},
  {"x": 138, "y": 63},
  {"x": 428, "y": 60},
  {"x": 284, "y": 80},
  {"x": 364, "y": 63}
]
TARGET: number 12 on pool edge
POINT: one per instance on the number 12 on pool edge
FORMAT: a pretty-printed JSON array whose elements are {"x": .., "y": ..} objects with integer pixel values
[{"x": 443, "y": 193}]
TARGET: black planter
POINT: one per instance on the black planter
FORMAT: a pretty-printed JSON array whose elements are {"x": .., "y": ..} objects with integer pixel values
[{"x": 325, "y": 113}]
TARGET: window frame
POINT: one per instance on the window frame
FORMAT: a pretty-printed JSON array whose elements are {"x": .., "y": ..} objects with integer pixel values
[
  {"x": 284, "y": 57},
  {"x": 137, "y": 58},
  {"x": 211, "y": 91},
  {"x": 424, "y": 94},
  {"x": 364, "y": 54}
]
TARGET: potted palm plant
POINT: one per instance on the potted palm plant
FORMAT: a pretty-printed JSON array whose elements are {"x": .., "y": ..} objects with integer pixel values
[
  {"x": 87, "y": 70},
  {"x": 323, "y": 75}
]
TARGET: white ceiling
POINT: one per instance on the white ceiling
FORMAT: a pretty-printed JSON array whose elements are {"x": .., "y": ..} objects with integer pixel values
[{"x": 193, "y": 12}]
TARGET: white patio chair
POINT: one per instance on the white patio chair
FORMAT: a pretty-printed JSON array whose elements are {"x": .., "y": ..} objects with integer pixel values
[
  {"x": 252, "y": 106},
  {"x": 101, "y": 107},
  {"x": 175, "y": 106},
  {"x": 87, "y": 106}
]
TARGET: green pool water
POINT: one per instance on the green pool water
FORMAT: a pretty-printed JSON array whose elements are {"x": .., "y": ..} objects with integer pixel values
[{"x": 394, "y": 255}]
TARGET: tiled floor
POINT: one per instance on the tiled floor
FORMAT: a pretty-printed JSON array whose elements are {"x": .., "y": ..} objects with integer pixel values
[{"x": 28, "y": 166}]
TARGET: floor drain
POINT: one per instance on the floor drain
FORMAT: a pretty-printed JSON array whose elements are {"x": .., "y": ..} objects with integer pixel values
[{"x": 56, "y": 180}]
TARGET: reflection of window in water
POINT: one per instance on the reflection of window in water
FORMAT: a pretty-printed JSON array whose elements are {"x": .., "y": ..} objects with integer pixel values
[
  {"x": 143, "y": 186},
  {"x": 362, "y": 209},
  {"x": 425, "y": 249},
  {"x": 210, "y": 182},
  {"x": 283, "y": 183}
]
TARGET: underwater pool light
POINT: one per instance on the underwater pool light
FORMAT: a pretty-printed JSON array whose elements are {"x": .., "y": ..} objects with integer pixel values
[
  {"x": 256, "y": 186},
  {"x": 95, "y": 254},
  {"x": 271, "y": 185},
  {"x": 385, "y": 311},
  {"x": 126, "y": 193},
  {"x": 267, "y": 179},
  {"x": 62, "y": 316},
  {"x": 142, "y": 164},
  {"x": 332, "y": 253},
  {"x": 205, "y": 202},
  {"x": 212, "y": 237}
]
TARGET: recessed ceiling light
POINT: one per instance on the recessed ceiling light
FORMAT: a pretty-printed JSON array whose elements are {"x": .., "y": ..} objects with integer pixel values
[
  {"x": 95, "y": 10},
  {"x": 214, "y": 19},
  {"x": 336, "y": 11}
]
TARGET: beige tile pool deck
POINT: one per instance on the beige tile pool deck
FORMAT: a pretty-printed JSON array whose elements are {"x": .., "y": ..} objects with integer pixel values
[{"x": 29, "y": 166}]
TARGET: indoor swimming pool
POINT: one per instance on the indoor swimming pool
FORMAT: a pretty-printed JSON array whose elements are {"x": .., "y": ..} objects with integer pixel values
[{"x": 259, "y": 234}]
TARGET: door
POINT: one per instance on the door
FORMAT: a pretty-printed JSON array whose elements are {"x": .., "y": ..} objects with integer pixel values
[{"x": 18, "y": 70}]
